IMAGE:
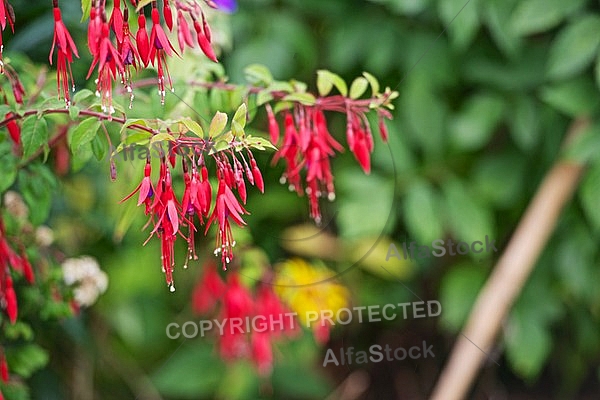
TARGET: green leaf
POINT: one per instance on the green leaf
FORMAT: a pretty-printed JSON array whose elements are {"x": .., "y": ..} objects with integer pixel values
[
  {"x": 189, "y": 358},
  {"x": 306, "y": 99},
  {"x": 19, "y": 330},
  {"x": 37, "y": 183},
  {"x": 34, "y": 133},
  {"x": 282, "y": 105},
  {"x": 589, "y": 194},
  {"x": 424, "y": 114},
  {"x": 86, "y": 7},
  {"x": 258, "y": 143},
  {"x": 574, "y": 48},
  {"x": 258, "y": 74},
  {"x": 535, "y": 16},
  {"x": 74, "y": 112},
  {"x": 236, "y": 129},
  {"x": 597, "y": 71},
  {"x": 327, "y": 78},
  {"x": 217, "y": 125},
  {"x": 193, "y": 127},
  {"x": 525, "y": 128},
  {"x": 280, "y": 86},
  {"x": 50, "y": 103},
  {"x": 358, "y": 87},
  {"x": 458, "y": 292},
  {"x": 264, "y": 96},
  {"x": 499, "y": 178},
  {"x": 469, "y": 219},
  {"x": 574, "y": 98},
  {"x": 83, "y": 133},
  {"x": 133, "y": 121},
  {"x": 240, "y": 116},
  {"x": 8, "y": 166},
  {"x": 373, "y": 82},
  {"x": 25, "y": 360},
  {"x": 81, "y": 157},
  {"x": 142, "y": 3},
  {"x": 162, "y": 137},
  {"x": 100, "y": 146},
  {"x": 528, "y": 345},
  {"x": 422, "y": 212},
  {"x": 138, "y": 137},
  {"x": 460, "y": 19},
  {"x": 476, "y": 122},
  {"x": 14, "y": 390},
  {"x": 82, "y": 95},
  {"x": 496, "y": 13}
]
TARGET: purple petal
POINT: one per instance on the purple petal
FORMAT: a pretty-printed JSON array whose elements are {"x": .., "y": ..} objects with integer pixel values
[{"x": 228, "y": 6}]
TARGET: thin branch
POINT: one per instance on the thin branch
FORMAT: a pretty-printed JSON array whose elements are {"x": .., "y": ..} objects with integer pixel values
[{"x": 509, "y": 276}]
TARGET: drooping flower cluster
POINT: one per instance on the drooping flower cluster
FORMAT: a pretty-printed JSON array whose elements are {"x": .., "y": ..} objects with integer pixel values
[
  {"x": 12, "y": 260},
  {"x": 307, "y": 146},
  {"x": 169, "y": 215},
  {"x": 115, "y": 50},
  {"x": 264, "y": 319}
]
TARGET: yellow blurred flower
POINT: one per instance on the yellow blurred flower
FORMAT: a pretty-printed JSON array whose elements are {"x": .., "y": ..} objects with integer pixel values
[{"x": 306, "y": 288}]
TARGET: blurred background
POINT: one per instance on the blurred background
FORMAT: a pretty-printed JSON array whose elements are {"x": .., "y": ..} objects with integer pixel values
[{"x": 487, "y": 91}]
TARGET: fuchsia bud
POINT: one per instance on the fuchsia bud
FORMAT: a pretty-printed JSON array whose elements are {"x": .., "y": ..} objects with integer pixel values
[
  {"x": 143, "y": 44},
  {"x": 167, "y": 14},
  {"x": 11, "y": 300},
  {"x": 3, "y": 368},
  {"x": 273, "y": 125},
  {"x": 257, "y": 176},
  {"x": 203, "y": 42}
]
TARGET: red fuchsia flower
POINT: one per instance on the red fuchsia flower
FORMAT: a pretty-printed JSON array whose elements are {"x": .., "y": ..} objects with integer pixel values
[
  {"x": 10, "y": 299},
  {"x": 3, "y": 368},
  {"x": 269, "y": 305},
  {"x": 208, "y": 291},
  {"x": 360, "y": 140},
  {"x": 184, "y": 36},
  {"x": 308, "y": 145},
  {"x": 273, "y": 125},
  {"x": 166, "y": 216},
  {"x": 262, "y": 352},
  {"x": 27, "y": 269},
  {"x": 129, "y": 57},
  {"x": 143, "y": 43},
  {"x": 160, "y": 47},
  {"x": 270, "y": 319},
  {"x": 15, "y": 83},
  {"x": 94, "y": 30},
  {"x": 227, "y": 207},
  {"x": 14, "y": 130},
  {"x": 65, "y": 50},
  {"x": 145, "y": 189},
  {"x": 168, "y": 15},
  {"x": 7, "y": 14},
  {"x": 116, "y": 20},
  {"x": 108, "y": 60},
  {"x": 237, "y": 303},
  {"x": 203, "y": 37}
]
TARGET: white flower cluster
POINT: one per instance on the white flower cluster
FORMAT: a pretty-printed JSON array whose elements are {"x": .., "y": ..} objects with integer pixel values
[
  {"x": 90, "y": 280},
  {"x": 15, "y": 205}
]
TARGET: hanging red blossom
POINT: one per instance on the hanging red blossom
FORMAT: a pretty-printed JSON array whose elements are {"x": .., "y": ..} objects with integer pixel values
[
  {"x": 65, "y": 50},
  {"x": 160, "y": 47}
]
